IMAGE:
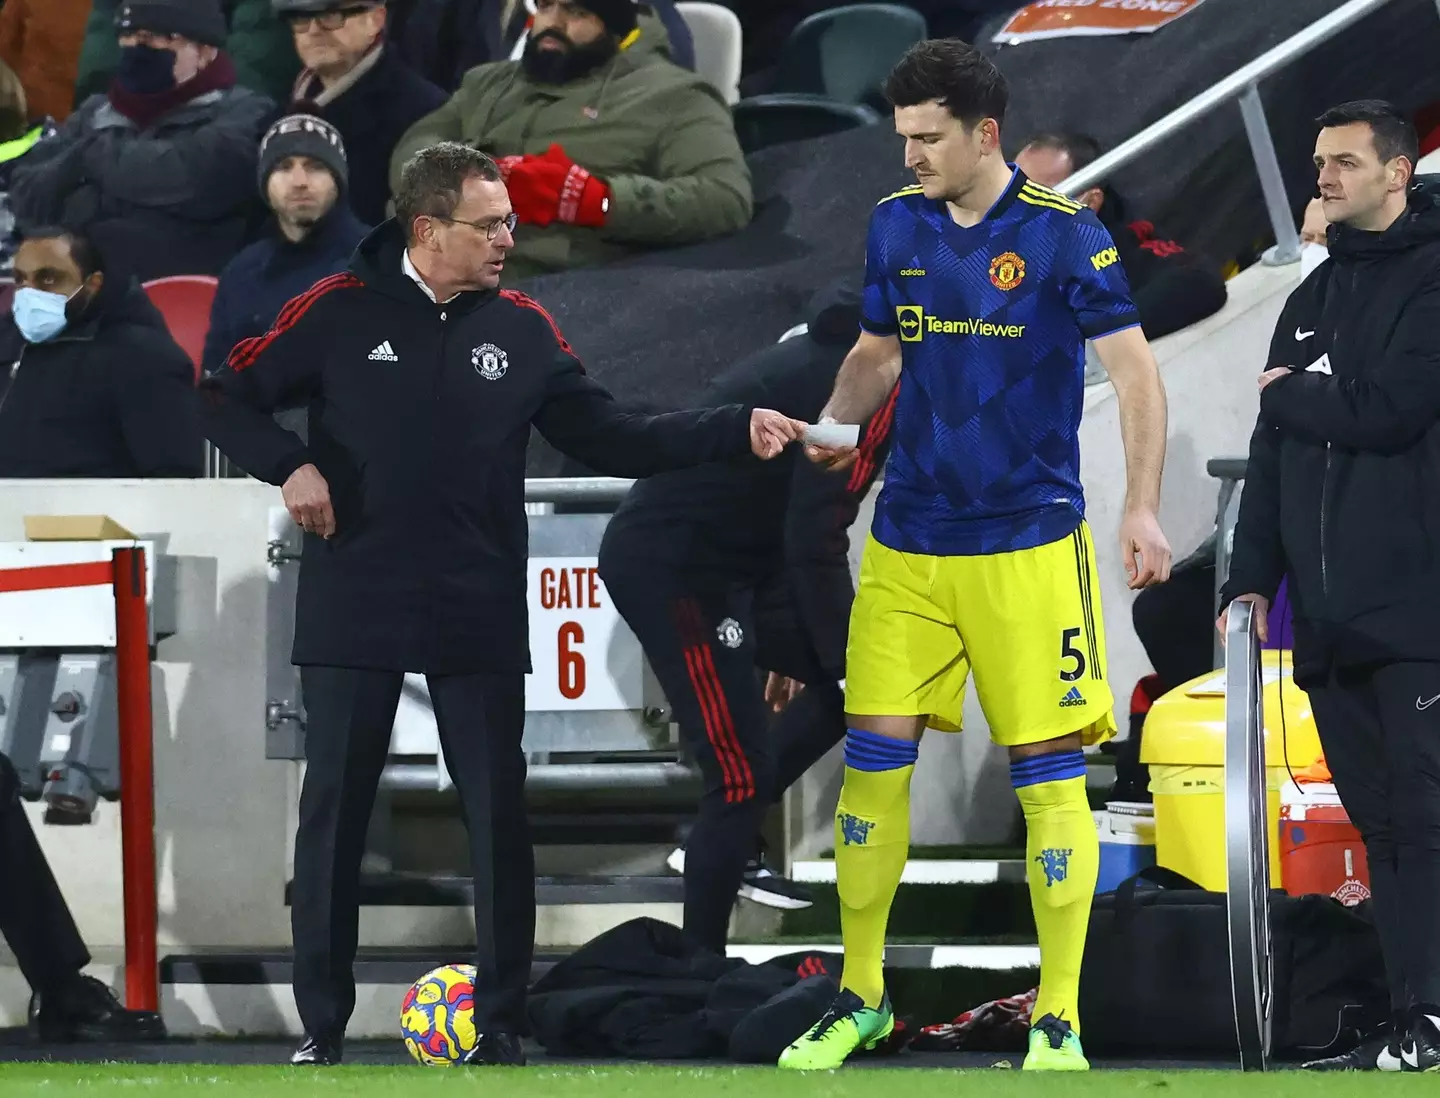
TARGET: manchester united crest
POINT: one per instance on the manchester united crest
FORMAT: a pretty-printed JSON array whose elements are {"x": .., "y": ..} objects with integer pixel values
[
  {"x": 1007, "y": 271},
  {"x": 490, "y": 362},
  {"x": 730, "y": 633}
]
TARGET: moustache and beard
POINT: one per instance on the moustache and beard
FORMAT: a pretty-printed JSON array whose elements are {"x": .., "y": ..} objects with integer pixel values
[{"x": 564, "y": 65}]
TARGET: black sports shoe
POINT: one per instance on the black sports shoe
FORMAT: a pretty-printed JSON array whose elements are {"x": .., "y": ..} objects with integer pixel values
[
  {"x": 496, "y": 1050},
  {"x": 764, "y": 886},
  {"x": 317, "y": 1052},
  {"x": 1421, "y": 1050},
  {"x": 1378, "y": 1053},
  {"x": 83, "y": 1009},
  {"x": 761, "y": 884}
]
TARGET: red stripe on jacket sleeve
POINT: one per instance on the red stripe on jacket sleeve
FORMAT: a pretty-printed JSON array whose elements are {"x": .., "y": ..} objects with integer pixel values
[
  {"x": 876, "y": 432},
  {"x": 515, "y": 297},
  {"x": 248, "y": 350}
]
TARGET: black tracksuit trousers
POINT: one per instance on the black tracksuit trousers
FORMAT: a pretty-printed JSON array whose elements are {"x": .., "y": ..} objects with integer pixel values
[
  {"x": 700, "y": 641},
  {"x": 349, "y": 717},
  {"x": 34, "y": 918},
  {"x": 1380, "y": 728}
]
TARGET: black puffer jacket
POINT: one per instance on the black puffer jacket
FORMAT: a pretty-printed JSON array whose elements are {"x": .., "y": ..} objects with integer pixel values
[
  {"x": 1343, "y": 486},
  {"x": 111, "y": 396}
]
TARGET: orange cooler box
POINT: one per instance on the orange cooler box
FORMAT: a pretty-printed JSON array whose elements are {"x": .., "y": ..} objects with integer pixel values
[{"x": 1320, "y": 849}]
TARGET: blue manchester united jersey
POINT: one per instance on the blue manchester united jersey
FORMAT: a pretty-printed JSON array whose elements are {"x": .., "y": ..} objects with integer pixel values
[{"x": 992, "y": 322}]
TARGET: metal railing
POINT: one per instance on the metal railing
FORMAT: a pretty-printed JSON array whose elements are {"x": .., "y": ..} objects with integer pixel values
[
  {"x": 1247, "y": 840},
  {"x": 1242, "y": 85}
]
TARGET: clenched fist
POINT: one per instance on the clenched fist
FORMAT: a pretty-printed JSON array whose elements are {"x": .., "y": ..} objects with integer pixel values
[{"x": 307, "y": 498}]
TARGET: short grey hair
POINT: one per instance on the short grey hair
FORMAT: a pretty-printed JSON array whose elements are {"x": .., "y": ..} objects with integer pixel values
[{"x": 432, "y": 181}]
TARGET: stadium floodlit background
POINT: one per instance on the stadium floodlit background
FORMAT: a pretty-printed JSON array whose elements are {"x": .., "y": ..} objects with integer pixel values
[{"x": 1207, "y": 207}]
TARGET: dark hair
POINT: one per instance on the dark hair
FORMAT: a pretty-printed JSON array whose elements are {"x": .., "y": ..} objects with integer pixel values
[
  {"x": 1081, "y": 149},
  {"x": 1393, "y": 133},
  {"x": 431, "y": 182},
  {"x": 965, "y": 81},
  {"x": 82, "y": 248}
]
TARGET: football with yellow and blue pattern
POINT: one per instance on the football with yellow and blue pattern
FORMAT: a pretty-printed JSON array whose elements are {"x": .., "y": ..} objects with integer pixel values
[{"x": 437, "y": 1018}]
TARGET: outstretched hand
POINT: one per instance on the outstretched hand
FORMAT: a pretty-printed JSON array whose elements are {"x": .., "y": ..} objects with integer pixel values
[{"x": 771, "y": 432}]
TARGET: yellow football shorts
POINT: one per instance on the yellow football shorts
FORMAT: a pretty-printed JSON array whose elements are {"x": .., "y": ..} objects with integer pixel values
[{"x": 1027, "y": 623}]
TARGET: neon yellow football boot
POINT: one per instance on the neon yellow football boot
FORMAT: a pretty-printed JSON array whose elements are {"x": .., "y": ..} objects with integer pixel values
[
  {"x": 848, "y": 1025},
  {"x": 1054, "y": 1046}
]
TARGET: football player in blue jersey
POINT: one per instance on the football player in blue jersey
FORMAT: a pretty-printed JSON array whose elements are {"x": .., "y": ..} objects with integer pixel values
[{"x": 982, "y": 288}]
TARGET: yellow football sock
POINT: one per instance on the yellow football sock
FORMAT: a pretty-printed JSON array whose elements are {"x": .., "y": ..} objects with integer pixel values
[
  {"x": 1062, "y": 856},
  {"x": 872, "y": 841}
]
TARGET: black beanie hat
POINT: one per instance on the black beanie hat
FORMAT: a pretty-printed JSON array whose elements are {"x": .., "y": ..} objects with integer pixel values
[
  {"x": 303, "y": 135},
  {"x": 198, "y": 20},
  {"x": 619, "y": 16}
]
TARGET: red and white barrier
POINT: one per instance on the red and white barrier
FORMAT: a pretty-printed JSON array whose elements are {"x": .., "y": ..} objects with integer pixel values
[{"x": 103, "y": 603}]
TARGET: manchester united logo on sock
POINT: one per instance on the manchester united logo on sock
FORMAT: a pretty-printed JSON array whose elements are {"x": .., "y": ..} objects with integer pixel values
[
  {"x": 855, "y": 831},
  {"x": 1055, "y": 863}
]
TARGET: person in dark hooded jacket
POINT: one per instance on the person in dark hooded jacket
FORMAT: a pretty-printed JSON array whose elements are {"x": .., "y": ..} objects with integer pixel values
[
  {"x": 726, "y": 568},
  {"x": 91, "y": 384},
  {"x": 303, "y": 178},
  {"x": 1342, "y": 495}
]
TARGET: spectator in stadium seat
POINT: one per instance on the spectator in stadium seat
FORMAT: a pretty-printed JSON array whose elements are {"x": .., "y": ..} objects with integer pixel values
[
  {"x": 160, "y": 171},
  {"x": 356, "y": 81},
  {"x": 606, "y": 152},
  {"x": 257, "y": 42},
  {"x": 313, "y": 232},
  {"x": 40, "y": 40},
  {"x": 1171, "y": 286},
  {"x": 445, "y": 39},
  {"x": 65, "y": 1004},
  {"x": 91, "y": 383},
  {"x": 17, "y": 137}
]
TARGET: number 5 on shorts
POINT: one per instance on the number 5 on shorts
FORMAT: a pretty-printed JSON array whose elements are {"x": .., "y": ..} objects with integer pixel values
[{"x": 1068, "y": 652}]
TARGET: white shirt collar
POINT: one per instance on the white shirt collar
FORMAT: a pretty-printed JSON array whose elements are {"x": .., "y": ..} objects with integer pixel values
[{"x": 411, "y": 273}]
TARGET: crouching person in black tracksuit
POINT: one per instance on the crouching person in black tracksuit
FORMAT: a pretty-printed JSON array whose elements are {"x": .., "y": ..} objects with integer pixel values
[
  {"x": 1342, "y": 492},
  {"x": 722, "y": 569},
  {"x": 422, "y": 381}
]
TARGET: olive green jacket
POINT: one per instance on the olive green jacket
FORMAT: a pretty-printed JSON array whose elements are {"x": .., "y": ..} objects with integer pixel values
[{"x": 659, "y": 135}]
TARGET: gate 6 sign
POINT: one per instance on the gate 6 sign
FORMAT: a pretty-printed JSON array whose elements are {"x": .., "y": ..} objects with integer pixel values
[{"x": 584, "y": 655}]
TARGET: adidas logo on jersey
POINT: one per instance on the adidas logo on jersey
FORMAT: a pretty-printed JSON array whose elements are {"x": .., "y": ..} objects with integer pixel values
[
  {"x": 1072, "y": 699},
  {"x": 384, "y": 353}
]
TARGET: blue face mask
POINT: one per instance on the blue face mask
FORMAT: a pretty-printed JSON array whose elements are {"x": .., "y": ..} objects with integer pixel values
[{"x": 39, "y": 314}]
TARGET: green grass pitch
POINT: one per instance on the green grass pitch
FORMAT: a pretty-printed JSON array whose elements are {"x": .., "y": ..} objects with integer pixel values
[{"x": 190, "y": 1080}]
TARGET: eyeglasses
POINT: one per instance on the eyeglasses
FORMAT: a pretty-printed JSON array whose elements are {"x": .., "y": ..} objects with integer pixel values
[
  {"x": 325, "y": 20},
  {"x": 491, "y": 229}
]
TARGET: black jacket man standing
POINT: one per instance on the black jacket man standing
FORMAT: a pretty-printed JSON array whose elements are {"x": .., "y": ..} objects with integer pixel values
[{"x": 422, "y": 380}]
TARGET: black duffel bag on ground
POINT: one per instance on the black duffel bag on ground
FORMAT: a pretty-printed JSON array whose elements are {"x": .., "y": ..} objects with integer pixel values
[{"x": 1156, "y": 974}]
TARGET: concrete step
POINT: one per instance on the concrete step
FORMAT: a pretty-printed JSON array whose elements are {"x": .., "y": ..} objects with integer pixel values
[{"x": 926, "y": 871}]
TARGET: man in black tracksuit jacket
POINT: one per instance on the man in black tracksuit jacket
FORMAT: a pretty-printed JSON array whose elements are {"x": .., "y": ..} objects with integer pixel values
[
  {"x": 724, "y": 568},
  {"x": 422, "y": 381},
  {"x": 1342, "y": 492}
]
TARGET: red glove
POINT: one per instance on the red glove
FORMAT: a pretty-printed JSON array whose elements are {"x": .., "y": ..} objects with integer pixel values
[{"x": 552, "y": 187}]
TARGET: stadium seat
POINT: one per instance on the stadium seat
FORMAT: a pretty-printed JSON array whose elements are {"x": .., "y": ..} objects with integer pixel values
[
  {"x": 765, "y": 120},
  {"x": 184, "y": 301},
  {"x": 717, "y": 34},
  {"x": 845, "y": 53}
]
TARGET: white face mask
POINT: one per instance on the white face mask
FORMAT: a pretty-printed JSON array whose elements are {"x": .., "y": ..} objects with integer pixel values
[{"x": 1311, "y": 256}]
